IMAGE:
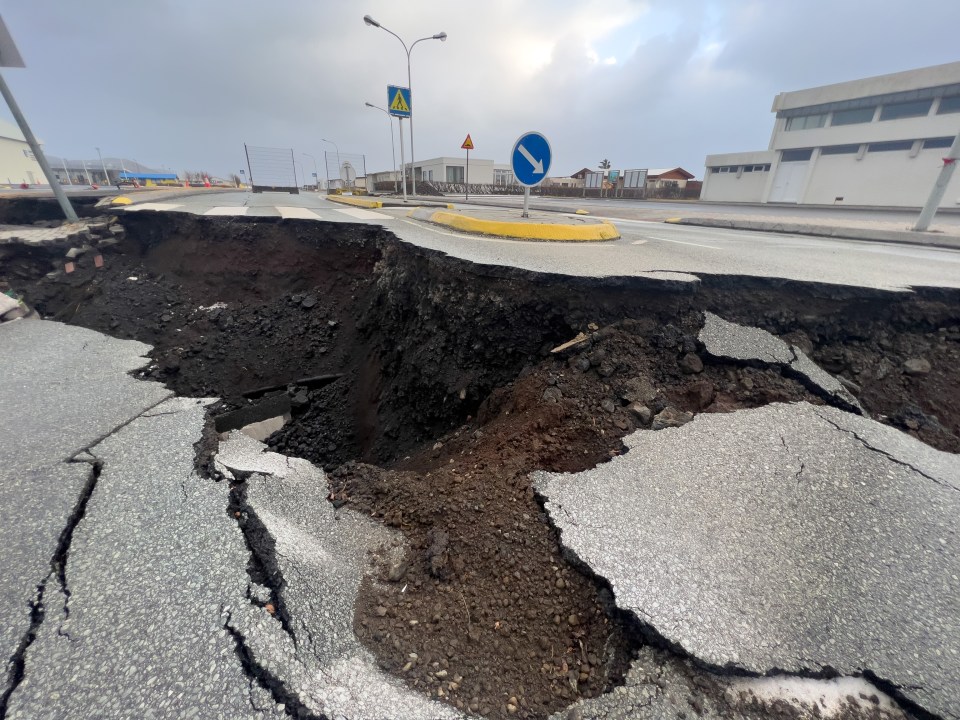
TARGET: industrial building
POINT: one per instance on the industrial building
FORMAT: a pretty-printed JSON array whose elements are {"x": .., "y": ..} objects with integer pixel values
[
  {"x": 17, "y": 163},
  {"x": 879, "y": 141}
]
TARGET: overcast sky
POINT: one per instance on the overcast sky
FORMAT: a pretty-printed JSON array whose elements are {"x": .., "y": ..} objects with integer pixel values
[{"x": 183, "y": 84}]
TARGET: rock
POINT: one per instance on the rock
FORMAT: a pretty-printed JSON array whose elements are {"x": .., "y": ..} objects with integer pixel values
[
  {"x": 308, "y": 302},
  {"x": 397, "y": 572},
  {"x": 638, "y": 390},
  {"x": 916, "y": 366},
  {"x": 643, "y": 413},
  {"x": 850, "y": 385},
  {"x": 300, "y": 399},
  {"x": 691, "y": 364},
  {"x": 884, "y": 368},
  {"x": 74, "y": 253},
  {"x": 166, "y": 317},
  {"x": 438, "y": 554},
  {"x": 582, "y": 363},
  {"x": 700, "y": 393},
  {"x": 552, "y": 395},
  {"x": 608, "y": 405},
  {"x": 381, "y": 611},
  {"x": 606, "y": 369},
  {"x": 670, "y": 417}
]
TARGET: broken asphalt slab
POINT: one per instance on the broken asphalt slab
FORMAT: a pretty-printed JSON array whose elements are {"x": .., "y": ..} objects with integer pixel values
[
  {"x": 727, "y": 340},
  {"x": 63, "y": 389},
  {"x": 316, "y": 558},
  {"x": 797, "y": 538}
]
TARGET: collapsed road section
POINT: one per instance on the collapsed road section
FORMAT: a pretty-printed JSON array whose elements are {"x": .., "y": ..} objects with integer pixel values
[{"x": 424, "y": 391}]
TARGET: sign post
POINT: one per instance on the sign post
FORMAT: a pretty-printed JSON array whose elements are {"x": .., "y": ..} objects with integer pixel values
[
  {"x": 400, "y": 106},
  {"x": 530, "y": 161},
  {"x": 10, "y": 57},
  {"x": 468, "y": 146}
]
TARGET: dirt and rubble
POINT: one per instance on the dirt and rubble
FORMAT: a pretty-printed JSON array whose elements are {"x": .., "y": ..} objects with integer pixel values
[{"x": 444, "y": 389}]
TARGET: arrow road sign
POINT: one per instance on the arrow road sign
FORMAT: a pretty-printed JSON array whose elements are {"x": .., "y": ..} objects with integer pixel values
[
  {"x": 530, "y": 159},
  {"x": 398, "y": 101}
]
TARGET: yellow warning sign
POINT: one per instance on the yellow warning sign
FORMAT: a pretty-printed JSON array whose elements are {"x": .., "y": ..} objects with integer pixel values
[
  {"x": 399, "y": 103},
  {"x": 468, "y": 143}
]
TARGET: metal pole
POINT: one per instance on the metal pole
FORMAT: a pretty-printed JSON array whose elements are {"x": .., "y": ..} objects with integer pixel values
[
  {"x": 413, "y": 166},
  {"x": 106, "y": 176},
  {"x": 939, "y": 187},
  {"x": 86, "y": 172},
  {"x": 65, "y": 171},
  {"x": 249, "y": 169},
  {"x": 37, "y": 152},
  {"x": 403, "y": 161},
  {"x": 466, "y": 188},
  {"x": 526, "y": 202}
]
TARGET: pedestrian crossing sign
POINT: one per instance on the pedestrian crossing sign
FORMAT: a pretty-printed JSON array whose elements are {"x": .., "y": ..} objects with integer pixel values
[{"x": 398, "y": 100}]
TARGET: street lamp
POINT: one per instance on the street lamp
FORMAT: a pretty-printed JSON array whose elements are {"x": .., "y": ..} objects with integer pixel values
[
  {"x": 106, "y": 178},
  {"x": 338, "y": 155},
  {"x": 314, "y": 168},
  {"x": 441, "y": 36},
  {"x": 393, "y": 148}
]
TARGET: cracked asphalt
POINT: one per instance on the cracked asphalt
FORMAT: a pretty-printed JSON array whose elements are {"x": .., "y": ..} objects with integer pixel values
[{"x": 796, "y": 538}]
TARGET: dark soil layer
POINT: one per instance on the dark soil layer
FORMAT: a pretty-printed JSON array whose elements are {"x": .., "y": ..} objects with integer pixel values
[{"x": 450, "y": 396}]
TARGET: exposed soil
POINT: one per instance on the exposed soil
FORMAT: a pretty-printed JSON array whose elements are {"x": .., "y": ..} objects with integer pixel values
[{"x": 450, "y": 396}]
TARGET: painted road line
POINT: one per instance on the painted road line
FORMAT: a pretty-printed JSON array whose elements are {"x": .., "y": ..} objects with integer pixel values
[
  {"x": 153, "y": 206},
  {"x": 297, "y": 213},
  {"x": 639, "y": 242},
  {"x": 364, "y": 214},
  {"x": 681, "y": 242},
  {"x": 227, "y": 211}
]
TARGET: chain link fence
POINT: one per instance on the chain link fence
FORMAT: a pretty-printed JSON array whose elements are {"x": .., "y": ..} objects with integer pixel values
[
  {"x": 271, "y": 169},
  {"x": 345, "y": 171}
]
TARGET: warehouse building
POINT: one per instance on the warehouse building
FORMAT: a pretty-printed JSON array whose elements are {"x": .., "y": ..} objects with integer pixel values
[
  {"x": 873, "y": 142},
  {"x": 17, "y": 163}
]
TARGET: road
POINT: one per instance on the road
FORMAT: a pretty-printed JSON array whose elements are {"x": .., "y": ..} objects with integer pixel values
[{"x": 646, "y": 247}]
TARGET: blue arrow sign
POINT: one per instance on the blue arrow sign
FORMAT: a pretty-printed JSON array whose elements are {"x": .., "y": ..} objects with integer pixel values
[{"x": 530, "y": 159}]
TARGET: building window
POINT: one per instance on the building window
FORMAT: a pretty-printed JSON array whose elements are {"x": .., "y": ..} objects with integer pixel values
[
  {"x": 756, "y": 168},
  {"x": 728, "y": 169},
  {"x": 853, "y": 117},
  {"x": 454, "y": 173},
  {"x": 940, "y": 142},
  {"x": 949, "y": 105},
  {"x": 891, "y": 146},
  {"x": 840, "y": 150},
  {"x": 796, "y": 155},
  {"x": 806, "y": 122},
  {"x": 503, "y": 177},
  {"x": 917, "y": 108}
]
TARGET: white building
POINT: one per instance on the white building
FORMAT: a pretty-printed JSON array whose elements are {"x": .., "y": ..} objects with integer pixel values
[
  {"x": 17, "y": 163},
  {"x": 874, "y": 142},
  {"x": 454, "y": 169}
]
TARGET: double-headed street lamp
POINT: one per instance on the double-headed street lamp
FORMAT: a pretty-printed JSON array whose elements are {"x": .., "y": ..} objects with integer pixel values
[
  {"x": 393, "y": 147},
  {"x": 441, "y": 36}
]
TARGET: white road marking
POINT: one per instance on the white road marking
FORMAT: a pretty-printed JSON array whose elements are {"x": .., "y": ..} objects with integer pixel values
[
  {"x": 227, "y": 211},
  {"x": 297, "y": 213},
  {"x": 639, "y": 242},
  {"x": 365, "y": 214},
  {"x": 681, "y": 242},
  {"x": 153, "y": 206}
]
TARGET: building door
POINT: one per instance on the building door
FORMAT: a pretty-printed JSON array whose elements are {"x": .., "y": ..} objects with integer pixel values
[{"x": 791, "y": 176}]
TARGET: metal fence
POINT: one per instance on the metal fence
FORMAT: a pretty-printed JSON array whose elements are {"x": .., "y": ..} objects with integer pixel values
[
  {"x": 272, "y": 169},
  {"x": 345, "y": 171}
]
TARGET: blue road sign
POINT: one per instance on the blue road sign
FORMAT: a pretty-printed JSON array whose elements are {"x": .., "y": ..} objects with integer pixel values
[
  {"x": 530, "y": 159},
  {"x": 398, "y": 101}
]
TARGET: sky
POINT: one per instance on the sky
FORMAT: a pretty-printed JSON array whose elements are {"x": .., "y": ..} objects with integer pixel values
[{"x": 183, "y": 84}]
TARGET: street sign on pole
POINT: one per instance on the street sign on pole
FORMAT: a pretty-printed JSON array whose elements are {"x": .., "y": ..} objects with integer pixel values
[
  {"x": 468, "y": 146},
  {"x": 530, "y": 162},
  {"x": 399, "y": 102}
]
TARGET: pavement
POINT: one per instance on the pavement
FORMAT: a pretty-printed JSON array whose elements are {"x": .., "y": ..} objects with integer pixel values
[{"x": 796, "y": 538}]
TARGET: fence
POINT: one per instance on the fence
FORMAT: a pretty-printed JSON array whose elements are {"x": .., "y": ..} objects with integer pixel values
[
  {"x": 345, "y": 171},
  {"x": 271, "y": 169}
]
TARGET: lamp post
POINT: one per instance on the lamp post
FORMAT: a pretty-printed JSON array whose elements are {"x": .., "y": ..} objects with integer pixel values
[
  {"x": 106, "y": 177},
  {"x": 441, "y": 36},
  {"x": 393, "y": 147},
  {"x": 315, "y": 173},
  {"x": 336, "y": 147}
]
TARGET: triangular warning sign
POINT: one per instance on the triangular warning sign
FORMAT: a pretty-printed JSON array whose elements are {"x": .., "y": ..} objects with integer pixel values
[
  {"x": 399, "y": 104},
  {"x": 467, "y": 144}
]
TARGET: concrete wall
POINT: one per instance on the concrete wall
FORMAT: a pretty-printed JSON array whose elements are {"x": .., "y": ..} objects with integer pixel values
[
  {"x": 737, "y": 186},
  {"x": 930, "y": 126},
  {"x": 17, "y": 167},
  {"x": 481, "y": 170}
]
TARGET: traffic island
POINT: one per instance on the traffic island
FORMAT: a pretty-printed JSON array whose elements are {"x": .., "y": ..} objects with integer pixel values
[
  {"x": 506, "y": 223},
  {"x": 371, "y": 203}
]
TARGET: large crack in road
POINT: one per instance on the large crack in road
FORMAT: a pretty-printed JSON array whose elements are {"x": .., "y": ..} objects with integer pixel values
[{"x": 453, "y": 389}]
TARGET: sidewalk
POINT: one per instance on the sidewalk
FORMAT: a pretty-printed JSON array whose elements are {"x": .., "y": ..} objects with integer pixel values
[
  {"x": 503, "y": 222},
  {"x": 946, "y": 236}
]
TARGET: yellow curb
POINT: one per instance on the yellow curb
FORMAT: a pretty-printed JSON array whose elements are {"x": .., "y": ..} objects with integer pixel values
[
  {"x": 121, "y": 200},
  {"x": 528, "y": 231},
  {"x": 673, "y": 220},
  {"x": 582, "y": 212},
  {"x": 359, "y": 202}
]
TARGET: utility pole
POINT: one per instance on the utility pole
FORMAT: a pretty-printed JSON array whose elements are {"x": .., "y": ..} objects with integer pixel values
[
  {"x": 10, "y": 57},
  {"x": 939, "y": 187}
]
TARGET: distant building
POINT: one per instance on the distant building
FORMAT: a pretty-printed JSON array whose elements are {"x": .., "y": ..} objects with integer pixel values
[
  {"x": 879, "y": 141},
  {"x": 17, "y": 163},
  {"x": 668, "y": 178},
  {"x": 454, "y": 170}
]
